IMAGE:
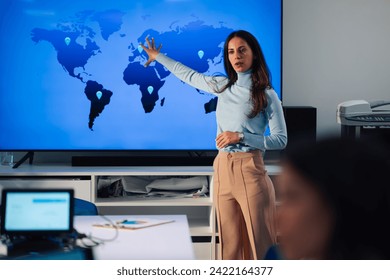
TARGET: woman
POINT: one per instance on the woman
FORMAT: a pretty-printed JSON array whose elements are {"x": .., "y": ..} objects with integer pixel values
[
  {"x": 335, "y": 201},
  {"x": 244, "y": 194}
]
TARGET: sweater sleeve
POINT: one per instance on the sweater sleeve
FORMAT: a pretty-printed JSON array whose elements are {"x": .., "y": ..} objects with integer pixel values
[
  {"x": 278, "y": 131},
  {"x": 191, "y": 77}
]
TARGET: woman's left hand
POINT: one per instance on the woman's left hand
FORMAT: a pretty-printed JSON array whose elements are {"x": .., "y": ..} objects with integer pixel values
[{"x": 227, "y": 138}]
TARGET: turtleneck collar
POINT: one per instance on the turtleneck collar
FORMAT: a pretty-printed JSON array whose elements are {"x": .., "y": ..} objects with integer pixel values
[{"x": 244, "y": 79}]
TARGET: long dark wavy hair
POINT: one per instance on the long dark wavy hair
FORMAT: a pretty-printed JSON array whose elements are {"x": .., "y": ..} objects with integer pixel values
[{"x": 261, "y": 76}]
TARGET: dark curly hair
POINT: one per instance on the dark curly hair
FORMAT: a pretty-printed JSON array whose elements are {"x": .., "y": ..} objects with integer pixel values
[{"x": 352, "y": 177}]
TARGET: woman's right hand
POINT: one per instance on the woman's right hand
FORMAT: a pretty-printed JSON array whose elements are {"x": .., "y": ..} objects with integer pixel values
[{"x": 151, "y": 50}]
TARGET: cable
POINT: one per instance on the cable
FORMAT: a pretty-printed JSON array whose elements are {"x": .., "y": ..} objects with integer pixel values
[{"x": 96, "y": 241}]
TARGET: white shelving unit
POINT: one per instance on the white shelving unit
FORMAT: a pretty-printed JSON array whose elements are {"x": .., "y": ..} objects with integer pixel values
[{"x": 200, "y": 211}]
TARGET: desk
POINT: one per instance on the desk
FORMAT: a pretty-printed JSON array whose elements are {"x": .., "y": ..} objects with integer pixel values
[{"x": 170, "y": 241}]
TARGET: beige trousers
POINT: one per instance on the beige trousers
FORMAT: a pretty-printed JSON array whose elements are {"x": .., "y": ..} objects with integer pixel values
[{"x": 245, "y": 204}]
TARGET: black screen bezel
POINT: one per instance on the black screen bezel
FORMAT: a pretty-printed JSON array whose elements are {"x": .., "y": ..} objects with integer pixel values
[{"x": 35, "y": 233}]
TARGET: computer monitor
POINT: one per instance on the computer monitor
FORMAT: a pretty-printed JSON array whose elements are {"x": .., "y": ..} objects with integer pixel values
[{"x": 37, "y": 212}]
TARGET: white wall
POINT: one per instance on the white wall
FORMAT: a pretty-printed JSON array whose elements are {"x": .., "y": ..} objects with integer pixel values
[{"x": 333, "y": 51}]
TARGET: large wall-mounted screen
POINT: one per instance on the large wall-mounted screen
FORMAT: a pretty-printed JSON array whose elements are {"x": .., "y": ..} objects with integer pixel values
[{"x": 72, "y": 74}]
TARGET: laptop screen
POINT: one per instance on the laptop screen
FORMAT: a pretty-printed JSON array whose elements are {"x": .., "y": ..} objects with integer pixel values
[{"x": 36, "y": 211}]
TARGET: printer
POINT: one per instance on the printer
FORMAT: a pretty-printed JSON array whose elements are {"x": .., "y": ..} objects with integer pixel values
[{"x": 358, "y": 117}]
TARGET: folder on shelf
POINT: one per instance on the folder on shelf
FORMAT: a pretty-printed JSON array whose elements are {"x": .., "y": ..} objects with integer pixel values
[{"x": 132, "y": 224}]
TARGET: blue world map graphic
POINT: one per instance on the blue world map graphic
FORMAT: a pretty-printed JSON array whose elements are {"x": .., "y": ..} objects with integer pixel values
[{"x": 74, "y": 41}]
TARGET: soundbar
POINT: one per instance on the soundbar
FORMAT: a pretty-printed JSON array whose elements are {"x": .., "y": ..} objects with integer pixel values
[{"x": 141, "y": 161}]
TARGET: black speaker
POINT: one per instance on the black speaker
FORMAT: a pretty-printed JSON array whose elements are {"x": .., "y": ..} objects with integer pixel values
[{"x": 301, "y": 122}]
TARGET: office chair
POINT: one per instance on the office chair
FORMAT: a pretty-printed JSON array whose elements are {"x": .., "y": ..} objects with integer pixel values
[{"x": 84, "y": 208}]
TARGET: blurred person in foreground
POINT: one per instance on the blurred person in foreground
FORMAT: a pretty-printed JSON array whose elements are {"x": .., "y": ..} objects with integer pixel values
[{"x": 335, "y": 201}]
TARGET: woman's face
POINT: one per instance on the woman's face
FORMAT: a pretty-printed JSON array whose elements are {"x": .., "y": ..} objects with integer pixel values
[
  {"x": 240, "y": 54},
  {"x": 304, "y": 219}
]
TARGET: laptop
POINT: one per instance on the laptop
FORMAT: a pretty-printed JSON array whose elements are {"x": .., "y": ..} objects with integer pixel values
[
  {"x": 38, "y": 223},
  {"x": 36, "y": 212}
]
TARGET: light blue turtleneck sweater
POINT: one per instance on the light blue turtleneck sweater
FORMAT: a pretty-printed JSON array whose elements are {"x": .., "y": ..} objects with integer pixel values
[{"x": 234, "y": 105}]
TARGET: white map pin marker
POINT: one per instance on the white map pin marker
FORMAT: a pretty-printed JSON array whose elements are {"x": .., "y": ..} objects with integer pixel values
[
  {"x": 99, "y": 94},
  {"x": 67, "y": 41},
  {"x": 200, "y": 54},
  {"x": 150, "y": 89},
  {"x": 140, "y": 49}
]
